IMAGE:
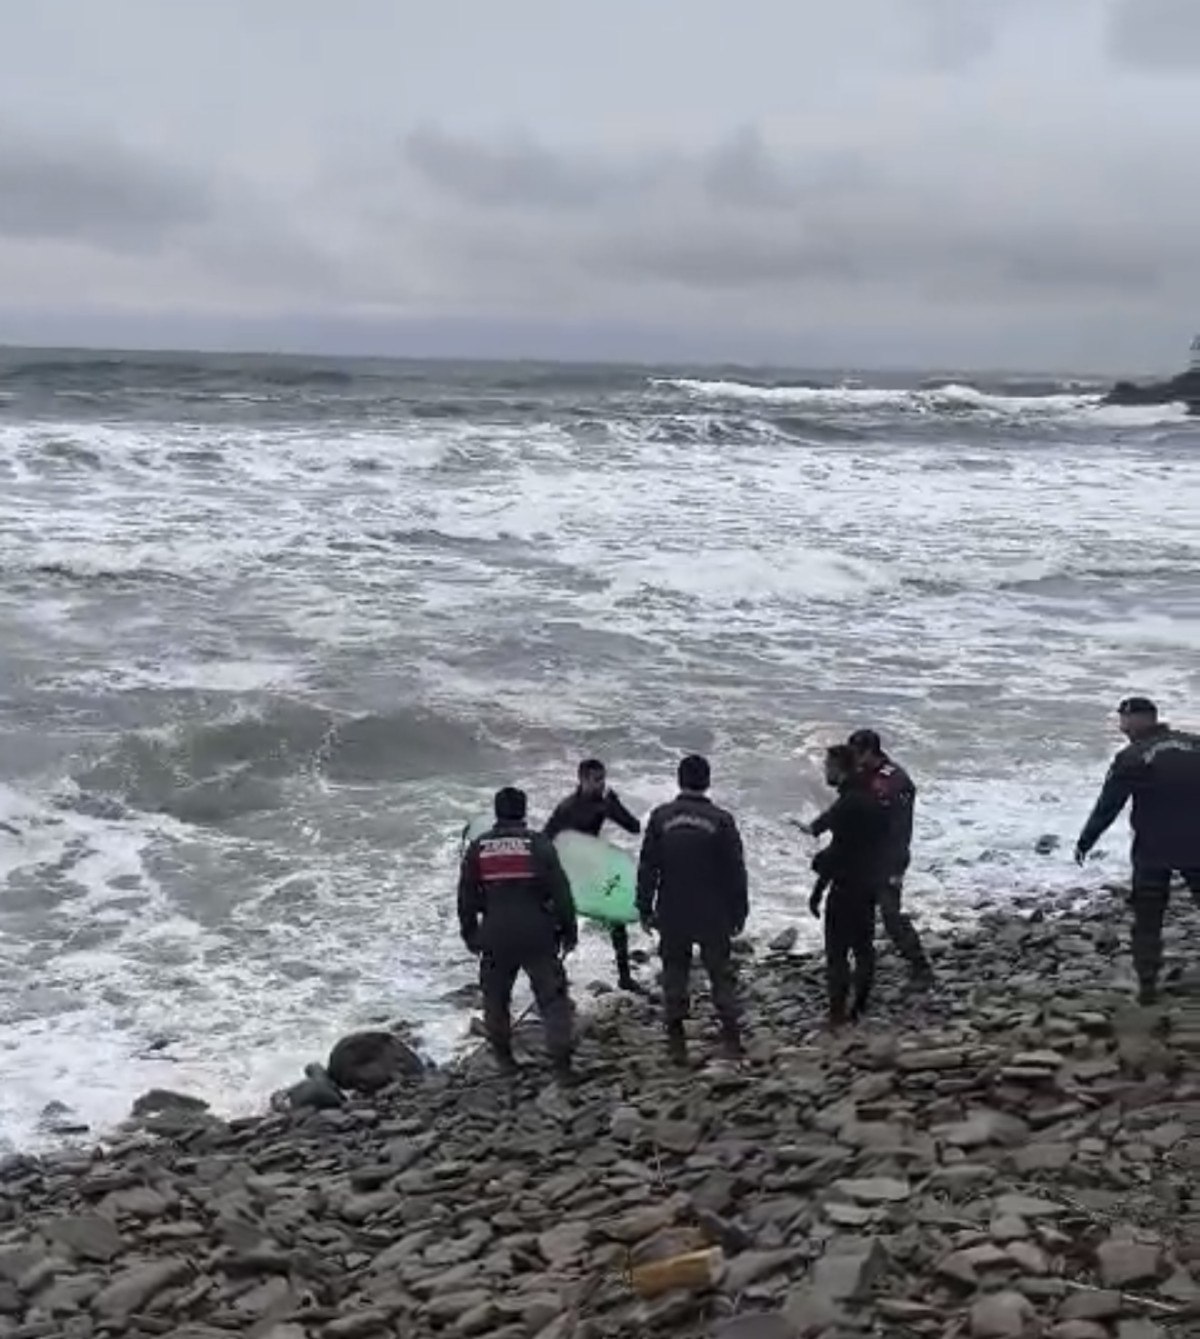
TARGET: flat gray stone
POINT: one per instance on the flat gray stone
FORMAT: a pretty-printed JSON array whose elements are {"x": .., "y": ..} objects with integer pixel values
[
  {"x": 137, "y": 1285},
  {"x": 1005, "y": 1315},
  {"x": 90, "y": 1236},
  {"x": 1128, "y": 1264}
]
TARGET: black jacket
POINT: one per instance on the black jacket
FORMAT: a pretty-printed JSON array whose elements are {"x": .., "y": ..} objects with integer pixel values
[
  {"x": 860, "y": 848},
  {"x": 692, "y": 871},
  {"x": 513, "y": 894},
  {"x": 1161, "y": 774},
  {"x": 588, "y": 813},
  {"x": 893, "y": 788}
]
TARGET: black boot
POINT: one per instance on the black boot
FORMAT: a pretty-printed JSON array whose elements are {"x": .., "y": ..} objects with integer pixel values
[
  {"x": 564, "y": 1072},
  {"x": 731, "y": 1042},
  {"x": 677, "y": 1044},
  {"x": 506, "y": 1062}
]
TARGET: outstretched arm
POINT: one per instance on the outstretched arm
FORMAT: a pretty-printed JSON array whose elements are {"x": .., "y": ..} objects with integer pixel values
[
  {"x": 620, "y": 815},
  {"x": 470, "y": 901},
  {"x": 739, "y": 883},
  {"x": 557, "y": 821},
  {"x": 1118, "y": 786}
]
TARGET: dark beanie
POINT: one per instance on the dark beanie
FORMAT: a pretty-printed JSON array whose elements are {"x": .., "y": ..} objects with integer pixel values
[{"x": 510, "y": 805}]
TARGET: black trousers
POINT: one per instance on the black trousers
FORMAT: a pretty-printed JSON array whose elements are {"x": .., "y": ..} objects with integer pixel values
[
  {"x": 498, "y": 974},
  {"x": 620, "y": 943},
  {"x": 716, "y": 954},
  {"x": 900, "y": 929},
  {"x": 849, "y": 933},
  {"x": 1150, "y": 895}
]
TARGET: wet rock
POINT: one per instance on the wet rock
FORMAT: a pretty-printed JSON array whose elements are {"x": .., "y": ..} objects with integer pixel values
[
  {"x": 757, "y": 1325},
  {"x": 1004, "y": 1315},
  {"x": 366, "y": 1062},
  {"x": 785, "y": 941},
  {"x": 1078, "y": 1329},
  {"x": 1128, "y": 1264},
  {"x": 850, "y": 1268},
  {"x": 809, "y": 1313},
  {"x": 165, "y": 1102},
  {"x": 751, "y": 1266},
  {"x": 87, "y": 1236},
  {"x": 874, "y": 1190},
  {"x": 137, "y": 1285},
  {"x": 1101, "y": 1304}
]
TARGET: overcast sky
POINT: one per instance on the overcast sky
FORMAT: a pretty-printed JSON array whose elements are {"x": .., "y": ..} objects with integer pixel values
[{"x": 875, "y": 182}]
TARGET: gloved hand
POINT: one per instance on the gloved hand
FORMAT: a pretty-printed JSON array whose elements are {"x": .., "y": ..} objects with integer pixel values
[
  {"x": 472, "y": 942},
  {"x": 738, "y": 926},
  {"x": 1081, "y": 853},
  {"x": 569, "y": 944},
  {"x": 649, "y": 922},
  {"x": 814, "y": 902}
]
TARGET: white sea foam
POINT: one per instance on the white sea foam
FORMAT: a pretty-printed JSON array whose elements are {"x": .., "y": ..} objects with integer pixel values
[{"x": 933, "y": 400}]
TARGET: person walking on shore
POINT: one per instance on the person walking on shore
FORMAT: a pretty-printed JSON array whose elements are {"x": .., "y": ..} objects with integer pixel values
[
  {"x": 853, "y": 867},
  {"x": 1159, "y": 770},
  {"x": 693, "y": 889},
  {"x": 586, "y": 809},
  {"x": 515, "y": 912},
  {"x": 893, "y": 788}
]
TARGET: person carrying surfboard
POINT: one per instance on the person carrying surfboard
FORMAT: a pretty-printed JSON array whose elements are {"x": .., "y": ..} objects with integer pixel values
[
  {"x": 588, "y": 807},
  {"x": 692, "y": 889},
  {"x": 515, "y": 911}
]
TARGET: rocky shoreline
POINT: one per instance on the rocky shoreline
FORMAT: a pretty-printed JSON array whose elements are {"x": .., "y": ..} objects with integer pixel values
[
  {"x": 1181, "y": 389},
  {"x": 1014, "y": 1156}
]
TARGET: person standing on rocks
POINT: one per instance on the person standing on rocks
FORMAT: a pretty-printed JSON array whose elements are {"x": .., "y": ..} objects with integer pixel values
[
  {"x": 893, "y": 788},
  {"x": 854, "y": 866},
  {"x": 1159, "y": 770},
  {"x": 586, "y": 809},
  {"x": 515, "y": 911},
  {"x": 693, "y": 889}
]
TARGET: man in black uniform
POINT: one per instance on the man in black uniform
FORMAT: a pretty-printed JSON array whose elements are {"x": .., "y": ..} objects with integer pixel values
[
  {"x": 854, "y": 864},
  {"x": 1160, "y": 771},
  {"x": 692, "y": 888},
  {"x": 585, "y": 810},
  {"x": 893, "y": 788},
  {"x": 515, "y": 911}
]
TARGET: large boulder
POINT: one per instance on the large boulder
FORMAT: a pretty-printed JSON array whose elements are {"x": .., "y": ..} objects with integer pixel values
[
  {"x": 365, "y": 1062},
  {"x": 1183, "y": 389}
]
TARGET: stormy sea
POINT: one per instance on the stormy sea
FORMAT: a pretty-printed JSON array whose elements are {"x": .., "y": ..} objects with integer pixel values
[{"x": 274, "y": 629}]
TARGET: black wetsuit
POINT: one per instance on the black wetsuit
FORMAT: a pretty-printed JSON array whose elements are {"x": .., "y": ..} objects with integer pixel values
[
  {"x": 1160, "y": 773},
  {"x": 515, "y": 911},
  {"x": 692, "y": 885},
  {"x": 855, "y": 862},
  {"x": 584, "y": 813}
]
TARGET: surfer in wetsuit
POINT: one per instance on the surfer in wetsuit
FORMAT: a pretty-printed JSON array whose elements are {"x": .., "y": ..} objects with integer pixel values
[
  {"x": 589, "y": 806},
  {"x": 893, "y": 788},
  {"x": 853, "y": 867},
  {"x": 1159, "y": 770},
  {"x": 515, "y": 911},
  {"x": 692, "y": 889}
]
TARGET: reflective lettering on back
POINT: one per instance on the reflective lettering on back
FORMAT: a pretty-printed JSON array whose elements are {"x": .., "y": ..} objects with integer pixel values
[
  {"x": 503, "y": 859},
  {"x": 697, "y": 821}
]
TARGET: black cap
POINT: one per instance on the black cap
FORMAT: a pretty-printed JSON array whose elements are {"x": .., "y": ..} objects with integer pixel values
[
  {"x": 510, "y": 804},
  {"x": 1137, "y": 706},
  {"x": 866, "y": 741}
]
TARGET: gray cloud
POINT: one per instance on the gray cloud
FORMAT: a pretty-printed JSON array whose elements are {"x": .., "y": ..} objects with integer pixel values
[
  {"x": 1156, "y": 35},
  {"x": 92, "y": 190},
  {"x": 1005, "y": 176}
]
